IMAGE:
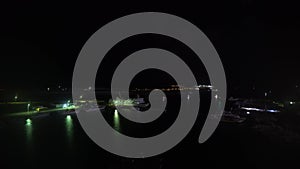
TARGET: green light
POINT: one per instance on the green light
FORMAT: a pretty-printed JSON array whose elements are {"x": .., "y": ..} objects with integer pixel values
[
  {"x": 116, "y": 115},
  {"x": 116, "y": 121},
  {"x": 28, "y": 130},
  {"x": 69, "y": 127},
  {"x": 28, "y": 122},
  {"x": 69, "y": 117}
]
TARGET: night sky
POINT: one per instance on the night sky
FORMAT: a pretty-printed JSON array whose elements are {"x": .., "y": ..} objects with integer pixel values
[{"x": 257, "y": 42}]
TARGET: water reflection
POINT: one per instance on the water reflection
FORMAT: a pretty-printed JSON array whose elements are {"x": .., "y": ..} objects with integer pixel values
[
  {"x": 28, "y": 130},
  {"x": 69, "y": 128},
  {"x": 116, "y": 121}
]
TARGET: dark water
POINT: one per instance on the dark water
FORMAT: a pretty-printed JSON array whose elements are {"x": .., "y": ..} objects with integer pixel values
[{"x": 57, "y": 141}]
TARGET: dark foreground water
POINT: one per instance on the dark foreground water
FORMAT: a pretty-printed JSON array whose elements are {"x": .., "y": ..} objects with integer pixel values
[{"x": 58, "y": 141}]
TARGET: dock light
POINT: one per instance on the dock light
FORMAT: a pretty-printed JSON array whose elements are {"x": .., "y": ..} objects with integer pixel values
[{"x": 28, "y": 105}]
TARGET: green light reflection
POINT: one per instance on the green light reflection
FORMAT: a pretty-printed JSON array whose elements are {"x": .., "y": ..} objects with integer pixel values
[
  {"x": 28, "y": 130},
  {"x": 116, "y": 121},
  {"x": 69, "y": 128}
]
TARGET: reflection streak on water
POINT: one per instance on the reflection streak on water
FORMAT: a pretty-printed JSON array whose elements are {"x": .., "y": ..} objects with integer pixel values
[
  {"x": 116, "y": 121},
  {"x": 28, "y": 130},
  {"x": 69, "y": 128}
]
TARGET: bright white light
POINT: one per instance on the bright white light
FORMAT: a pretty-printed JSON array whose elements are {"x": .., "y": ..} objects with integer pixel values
[
  {"x": 248, "y": 112},
  {"x": 273, "y": 111},
  {"x": 252, "y": 109},
  {"x": 65, "y": 105},
  {"x": 116, "y": 115}
]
